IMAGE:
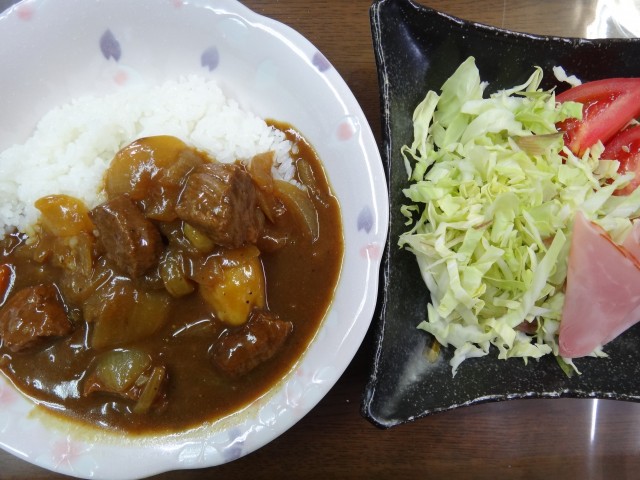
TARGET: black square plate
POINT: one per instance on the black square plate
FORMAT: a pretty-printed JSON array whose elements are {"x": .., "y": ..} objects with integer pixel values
[{"x": 416, "y": 50}]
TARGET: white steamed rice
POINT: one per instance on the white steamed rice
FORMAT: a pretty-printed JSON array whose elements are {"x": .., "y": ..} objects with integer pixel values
[{"x": 74, "y": 144}]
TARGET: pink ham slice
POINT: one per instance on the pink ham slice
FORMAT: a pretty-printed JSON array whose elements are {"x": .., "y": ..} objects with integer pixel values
[
  {"x": 632, "y": 242},
  {"x": 602, "y": 297}
]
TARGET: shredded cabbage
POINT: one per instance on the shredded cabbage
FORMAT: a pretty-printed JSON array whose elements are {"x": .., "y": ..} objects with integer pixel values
[{"x": 493, "y": 192}]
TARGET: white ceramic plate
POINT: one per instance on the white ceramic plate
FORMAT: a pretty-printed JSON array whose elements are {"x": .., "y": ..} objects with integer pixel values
[{"x": 58, "y": 50}]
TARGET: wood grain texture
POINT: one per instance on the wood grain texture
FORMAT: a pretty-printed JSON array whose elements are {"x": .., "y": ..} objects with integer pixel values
[{"x": 523, "y": 439}]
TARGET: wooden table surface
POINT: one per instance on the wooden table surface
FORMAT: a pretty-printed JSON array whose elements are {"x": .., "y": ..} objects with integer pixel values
[{"x": 563, "y": 438}]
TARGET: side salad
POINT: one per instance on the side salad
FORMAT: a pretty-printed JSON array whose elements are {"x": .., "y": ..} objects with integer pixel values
[{"x": 496, "y": 185}]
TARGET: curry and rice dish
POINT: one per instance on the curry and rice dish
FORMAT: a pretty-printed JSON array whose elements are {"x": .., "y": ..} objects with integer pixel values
[{"x": 189, "y": 291}]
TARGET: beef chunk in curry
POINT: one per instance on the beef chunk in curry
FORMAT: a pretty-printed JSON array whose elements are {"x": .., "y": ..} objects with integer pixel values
[
  {"x": 31, "y": 315},
  {"x": 129, "y": 239},
  {"x": 186, "y": 295},
  {"x": 240, "y": 351},
  {"x": 220, "y": 199}
]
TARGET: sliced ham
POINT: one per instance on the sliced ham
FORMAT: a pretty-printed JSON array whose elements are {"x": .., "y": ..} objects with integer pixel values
[
  {"x": 632, "y": 242},
  {"x": 602, "y": 297}
]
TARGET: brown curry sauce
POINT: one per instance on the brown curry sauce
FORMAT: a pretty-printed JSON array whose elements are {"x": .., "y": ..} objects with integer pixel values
[{"x": 300, "y": 281}]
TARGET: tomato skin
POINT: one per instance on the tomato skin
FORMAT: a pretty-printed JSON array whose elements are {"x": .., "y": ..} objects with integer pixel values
[
  {"x": 608, "y": 105},
  {"x": 6, "y": 280},
  {"x": 625, "y": 147}
]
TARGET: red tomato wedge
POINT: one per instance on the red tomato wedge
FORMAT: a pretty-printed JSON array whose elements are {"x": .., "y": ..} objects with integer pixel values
[
  {"x": 625, "y": 147},
  {"x": 6, "y": 278},
  {"x": 608, "y": 105}
]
